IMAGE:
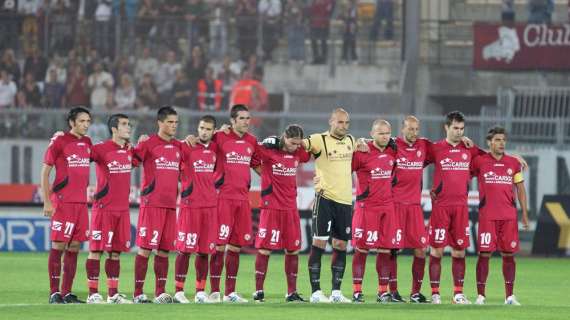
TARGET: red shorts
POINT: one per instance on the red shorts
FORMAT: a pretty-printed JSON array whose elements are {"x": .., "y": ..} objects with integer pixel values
[
  {"x": 70, "y": 222},
  {"x": 501, "y": 234},
  {"x": 196, "y": 230},
  {"x": 413, "y": 227},
  {"x": 279, "y": 229},
  {"x": 156, "y": 228},
  {"x": 110, "y": 230},
  {"x": 376, "y": 227},
  {"x": 449, "y": 226},
  {"x": 234, "y": 222}
]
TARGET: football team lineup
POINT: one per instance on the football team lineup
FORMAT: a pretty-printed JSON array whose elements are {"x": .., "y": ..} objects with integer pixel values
[{"x": 209, "y": 217}]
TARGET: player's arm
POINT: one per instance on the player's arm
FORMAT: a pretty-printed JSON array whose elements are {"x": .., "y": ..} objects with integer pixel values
[
  {"x": 312, "y": 144},
  {"x": 257, "y": 170},
  {"x": 521, "y": 195},
  {"x": 46, "y": 192},
  {"x": 521, "y": 160}
]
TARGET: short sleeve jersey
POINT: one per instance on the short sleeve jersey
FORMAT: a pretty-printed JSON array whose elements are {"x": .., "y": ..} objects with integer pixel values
[
  {"x": 161, "y": 161},
  {"x": 70, "y": 156},
  {"x": 113, "y": 164},
  {"x": 333, "y": 158},
  {"x": 375, "y": 174},
  {"x": 198, "y": 184},
  {"x": 451, "y": 174},
  {"x": 497, "y": 179},
  {"x": 410, "y": 162},
  {"x": 279, "y": 177},
  {"x": 236, "y": 155}
]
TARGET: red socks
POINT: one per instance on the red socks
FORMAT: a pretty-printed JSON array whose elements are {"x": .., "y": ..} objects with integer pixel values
[
  {"x": 216, "y": 266},
  {"x": 92, "y": 267},
  {"x": 418, "y": 267},
  {"x": 232, "y": 266},
  {"x": 482, "y": 271},
  {"x": 69, "y": 269},
  {"x": 458, "y": 271},
  {"x": 261, "y": 261},
  {"x": 358, "y": 268},
  {"x": 291, "y": 269},
  {"x": 54, "y": 269},
  {"x": 181, "y": 270},
  {"x": 141, "y": 265},
  {"x": 434, "y": 273},
  {"x": 112, "y": 269}
]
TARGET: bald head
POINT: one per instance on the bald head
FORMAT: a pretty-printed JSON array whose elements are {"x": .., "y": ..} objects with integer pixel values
[
  {"x": 410, "y": 129},
  {"x": 381, "y": 132},
  {"x": 339, "y": 123}
]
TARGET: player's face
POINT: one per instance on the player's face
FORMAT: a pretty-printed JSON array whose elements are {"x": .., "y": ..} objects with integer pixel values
[
  {"x": 124, "y": 129},
  {"x": 497, "y": 144},
  {"x": 381, "y": 134},
  {"x": 241, "y": 122},
  {"x": 205, "y": 131},
  {"x": 339, "y": 122},
  {"x": 169, "y": 125},
  {"x": 81, "y": 124},
  {"x": 411, "y": 130},
  {"x": 455, "y": 131},
  {"x": 291, "y": 144}
]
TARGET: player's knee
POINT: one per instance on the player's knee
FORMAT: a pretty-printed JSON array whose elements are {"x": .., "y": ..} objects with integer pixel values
[
  {"x": 95, "y": 255},
  {"x": 162, "y": 253},
  {"x": 381, "y": 250},
  {"x": 292, "y": 253},
  {"x": 436, "y": 252},
  {"x": 74, "y": 246},
  {"x": 320, "y": 243},
  {"x": 264, "y": 252},
  {"x": 58, "y": 245},
  {"x": 114, "y": 255},
  {"x": 144, "y": 252},
  {"x": 458, "y": 253},
  {"x": 339, "y": 244},
  {"x": 419, "y": 253},
  {"x": 361, "y": 250},
  {"x": 506, "y": 254},
  {"x": 234, "y": 248}
]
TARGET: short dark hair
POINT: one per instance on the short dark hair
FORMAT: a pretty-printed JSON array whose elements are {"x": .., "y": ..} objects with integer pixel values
[
  {"x": 74, "y": 113},
  {"x": 237, "y": 108},
  {"x": 456, "y": 116},
  {"x": 294, "y": 131},
  {"x": 164, "y": 112},
  {"x": 208, "y": 119},
  {"x": 113, "y": 121},
  {"x": 494, "y": 131}
]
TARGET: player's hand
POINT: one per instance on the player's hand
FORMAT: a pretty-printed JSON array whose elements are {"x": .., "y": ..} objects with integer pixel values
[
  {"x": 521, "y": 160},
  {"x": 392, "y": 144},
  {"x": 316, "y": 180},
  {"x": 48, "y": 208},
  {"x": 191, "y": 140},
  {"x": 524, "y": 221},
  {"x": 271, "y": 142},
  {"x": 433, "y": 195},
  {"x": 468, "y": 142},
  {"x": 143, "y": 138},
  {"x": 225, "y": 128},
  {"x": 361, "y": 145}
]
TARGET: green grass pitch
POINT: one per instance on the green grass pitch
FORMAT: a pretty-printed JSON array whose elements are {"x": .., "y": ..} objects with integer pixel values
[{"x": 542, "y": 286}]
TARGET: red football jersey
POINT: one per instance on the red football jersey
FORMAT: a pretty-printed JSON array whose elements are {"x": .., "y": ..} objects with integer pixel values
[
  {"x": 71, "y": 157},
  {"x": 113, "y": 165},
  {"x": 161, "y": 161},
  {"x": 375, "y": 173},
  {"x": 496, "y": 186},
  {"x": 234, "y": 159},
  {"x": 410, "y": 162},
  {"x": 279, "y": 177},
  {"x": 198, "y": 185},
  {"x": 451, "y": 175}
]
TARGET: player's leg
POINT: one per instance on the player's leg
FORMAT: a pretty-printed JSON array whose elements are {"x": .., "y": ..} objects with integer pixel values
[
  {"x": 223, "y": 228},
  {"x": 459, "y": 240},
  {"x": 112, "y": 270},
  {"x": 392, "y": 228},
  {"x": 92, "y": 269},
  {"x": 232, "y": 267},
  {"x": 166, "y": 243},
  {"x": 54, "y": 270},
  {"x": 358, "y": 270},
  {"x": 291, "y": 270},
  {"x": 508, "y": 243},
  {"x": 438, "y": 234},
  {"x": 321, "y": 231},
  {"x": 291, "y": 242},
  {"x": 206, "y": 239},
  {"x": 69, "y": 270},
  {"x": 261, "y": 262},
  {"x": 383, "y": 269},
  {"x": 239, "y": 237},
  {"x": 186, "y": 238},
  {"x": 181, "y": 265},
  {"x": 486, "y": 239},
  {"x": 418, "y": 269},
  {"x": 201, "y": 265},
  {"x": 141, "y": 266},
  {"x": 341, "y": 233},
  {"x": 415, "y": 236}
]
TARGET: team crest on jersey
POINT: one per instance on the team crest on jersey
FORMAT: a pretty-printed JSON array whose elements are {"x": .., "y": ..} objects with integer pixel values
[
  {"x": 460, "y": 241},
  {"x": 391, "y": 162},
  {"x": 419, "y": 153},
  {"x": 464, "y": 156},
  {"x": 509, "y": 171},
  {"x": 127, "y": 244},
  {"x": 513, "y": 244},
  {"x": 87, "y": 233},
  {"x": 248, "y": 150},
  {"x": 423, "y": 239},
  {"x": 130, "y": 158},
  {"x": 177, "y": 155},
  {"x": 247, "y": 237},
  {"x": 296, "y": 163},
  {"x": 212, "y": 245}
]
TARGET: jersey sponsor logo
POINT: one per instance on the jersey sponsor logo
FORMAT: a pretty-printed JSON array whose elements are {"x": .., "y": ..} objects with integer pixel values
[
  {"x": 448, "y": 164},
  {"x": 404, "y": 163},
  {"x": 203, "y": 166},
  {"x": 379, "y": 173},
  {"x": 494, "y": 178},
  {"x": 75, "y": 161},
  {"x": 280, "y": 169},
  {"x": 163, "y": 164},
  {"x": 236, "y": 158},
  {"x": 116, "y": 167}
]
